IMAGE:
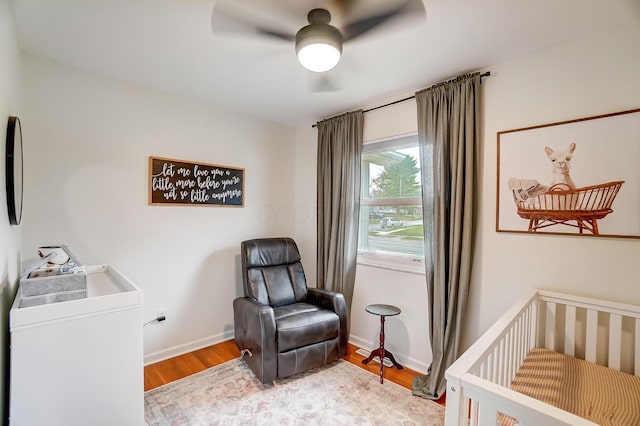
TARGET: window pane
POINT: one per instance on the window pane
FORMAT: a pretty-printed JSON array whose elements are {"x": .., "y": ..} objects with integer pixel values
[
  {"x": 391, "y": 173},
  {"x": 393, "y": 229},
  {"x": 391, "y": 212}
]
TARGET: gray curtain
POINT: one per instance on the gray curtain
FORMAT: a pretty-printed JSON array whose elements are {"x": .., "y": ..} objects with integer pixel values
[
  {"x": 448, "y": 129},
  {"x": 339, "y": 163}
]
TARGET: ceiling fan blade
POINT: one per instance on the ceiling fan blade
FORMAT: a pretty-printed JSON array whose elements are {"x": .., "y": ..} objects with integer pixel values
[
  {"x": 358, "y": 28},
  {"x": 229, "y": 18},
  {"x": 276, "y": 34}
]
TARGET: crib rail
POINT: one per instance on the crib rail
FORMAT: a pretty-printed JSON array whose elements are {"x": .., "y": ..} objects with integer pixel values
[
  {"x": 500, "y": 406},
  {"x": 602, "y": 332},
  {"x": 592, "y": 330},
  {"x": 495, "y": 357}
]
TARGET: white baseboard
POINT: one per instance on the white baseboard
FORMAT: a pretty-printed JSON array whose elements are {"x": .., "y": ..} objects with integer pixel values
[
  {"x": 412, "y": 363},
  {"x": 404, "y": 360},
  {"x": 187, "y": 347}
]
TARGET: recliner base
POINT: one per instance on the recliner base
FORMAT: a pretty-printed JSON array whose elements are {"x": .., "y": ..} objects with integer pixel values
[{"x": 301, "y": 359}]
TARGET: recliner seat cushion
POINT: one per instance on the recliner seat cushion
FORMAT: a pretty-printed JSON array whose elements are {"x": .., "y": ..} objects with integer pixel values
[
  {"x": 304, "y": 327},
  {"x": 294, "y": 309}
]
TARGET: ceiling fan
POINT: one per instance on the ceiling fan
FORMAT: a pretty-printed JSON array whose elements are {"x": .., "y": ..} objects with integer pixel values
[{"x": 318, "y": 45}]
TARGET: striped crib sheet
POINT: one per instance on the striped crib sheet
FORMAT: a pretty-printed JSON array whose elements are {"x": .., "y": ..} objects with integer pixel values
[{"x": 588, "y": 390}]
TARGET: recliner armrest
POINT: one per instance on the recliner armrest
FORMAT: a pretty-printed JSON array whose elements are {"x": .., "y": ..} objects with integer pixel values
[
  {"x": 335, "y": 302},
  {"x": 255, "y": 329}
]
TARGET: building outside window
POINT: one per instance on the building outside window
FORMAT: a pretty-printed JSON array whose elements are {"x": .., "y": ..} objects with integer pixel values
[{"x": 391, "y": 232}]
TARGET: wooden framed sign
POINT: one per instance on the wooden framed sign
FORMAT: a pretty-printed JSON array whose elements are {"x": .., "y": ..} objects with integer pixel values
[{"x": 174, "y": 181}]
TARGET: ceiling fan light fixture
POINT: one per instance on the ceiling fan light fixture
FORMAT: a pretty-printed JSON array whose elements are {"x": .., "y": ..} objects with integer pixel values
[
  {"x": 318, "y": 45},
  {"x": 318, "y": 57}
]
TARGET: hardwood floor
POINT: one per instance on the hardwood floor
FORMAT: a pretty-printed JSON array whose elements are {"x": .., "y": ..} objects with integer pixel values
[
  {"x": 172, "y": 369},
  {"x": 181, "y": 366}
]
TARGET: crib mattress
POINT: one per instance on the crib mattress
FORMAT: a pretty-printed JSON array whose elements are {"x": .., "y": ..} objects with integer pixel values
[{"x": 588, "y": 390}]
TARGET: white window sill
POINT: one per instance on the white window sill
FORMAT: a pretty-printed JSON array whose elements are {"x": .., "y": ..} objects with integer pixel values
[{"x": 406, "y": 264}]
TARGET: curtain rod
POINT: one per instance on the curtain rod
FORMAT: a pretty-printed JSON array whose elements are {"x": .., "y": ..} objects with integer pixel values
[{"x": 486, "y": 74}]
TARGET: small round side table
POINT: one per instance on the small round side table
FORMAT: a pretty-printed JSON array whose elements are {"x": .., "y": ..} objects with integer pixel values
[{"x": 382, "y": 311}]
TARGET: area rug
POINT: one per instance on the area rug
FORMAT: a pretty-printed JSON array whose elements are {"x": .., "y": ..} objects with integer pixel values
[{"x": 339, "y": 393}]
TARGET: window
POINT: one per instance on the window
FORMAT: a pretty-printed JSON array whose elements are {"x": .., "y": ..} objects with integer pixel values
[{"x": 391, "y": 233}]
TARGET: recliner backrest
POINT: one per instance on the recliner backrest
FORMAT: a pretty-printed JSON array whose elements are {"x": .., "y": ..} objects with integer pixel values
[{"x": 272, "y": 272}]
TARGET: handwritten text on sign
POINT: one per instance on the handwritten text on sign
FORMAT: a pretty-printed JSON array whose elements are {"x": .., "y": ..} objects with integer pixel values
[{"x": 182, "y": 182}]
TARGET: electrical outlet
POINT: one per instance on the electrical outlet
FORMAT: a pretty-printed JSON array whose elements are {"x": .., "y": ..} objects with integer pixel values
[{"x": 161, "y": 314}]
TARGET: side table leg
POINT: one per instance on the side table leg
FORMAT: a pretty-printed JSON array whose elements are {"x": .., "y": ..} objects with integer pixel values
[
  {"x": 381, "y": 353},
  {"x": 374, "y": 353},
  {"x": 381, "y": 349},
  {"x": 395, "y": 363}
]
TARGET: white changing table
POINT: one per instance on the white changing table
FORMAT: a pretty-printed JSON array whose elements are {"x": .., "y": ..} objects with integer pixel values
[{"x": 79, "y": 362}]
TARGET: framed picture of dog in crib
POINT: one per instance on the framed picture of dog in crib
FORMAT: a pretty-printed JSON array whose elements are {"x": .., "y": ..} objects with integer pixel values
[{"x": 579, "y": 177}]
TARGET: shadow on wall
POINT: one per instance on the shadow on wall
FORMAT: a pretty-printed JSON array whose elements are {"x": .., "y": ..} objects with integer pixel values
[
  {"x": 210, "y": 296},
  {"x": 4, "y": 343},
  {"x": 7, "y": 295},
  {"x": 228, "y": 328}
]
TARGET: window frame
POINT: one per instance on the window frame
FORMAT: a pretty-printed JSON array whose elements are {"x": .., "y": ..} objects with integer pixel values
[{"x": 387, "y": 260}]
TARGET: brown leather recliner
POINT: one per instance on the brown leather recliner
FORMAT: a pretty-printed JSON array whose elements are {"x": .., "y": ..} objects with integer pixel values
[{"x": 287, "y": 327}]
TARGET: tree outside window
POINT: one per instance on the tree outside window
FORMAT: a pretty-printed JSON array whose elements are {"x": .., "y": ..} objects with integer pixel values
[{"x": 398, "y": 180}]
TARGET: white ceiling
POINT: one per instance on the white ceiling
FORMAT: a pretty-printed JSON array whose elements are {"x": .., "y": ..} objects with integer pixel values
[{"x": 169, "y": 45}]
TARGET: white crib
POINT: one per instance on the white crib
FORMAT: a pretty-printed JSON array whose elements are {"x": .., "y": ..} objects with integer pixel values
[{"x": 602, "y": 332}]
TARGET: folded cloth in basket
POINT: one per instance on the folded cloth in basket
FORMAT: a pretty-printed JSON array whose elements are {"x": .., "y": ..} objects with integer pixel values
[{"x": 526, "y": 189}]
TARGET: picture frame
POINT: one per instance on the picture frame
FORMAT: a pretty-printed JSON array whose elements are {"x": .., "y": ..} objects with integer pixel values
[
  {"x": 181, "y": 182},
  {"x": 14, "y": 174},
  {"x": 579, "y": 177}
]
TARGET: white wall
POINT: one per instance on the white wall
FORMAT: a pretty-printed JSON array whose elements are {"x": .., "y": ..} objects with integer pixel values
[
  {"x": 407, "y": 333},
  {"x": 305, "y": 213},
  {"x": 86, "y": 172},
  {"x": 9, "y": 235},
  {"x": 86, "y": 179},
  {"x": 593, "y": 75}
]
